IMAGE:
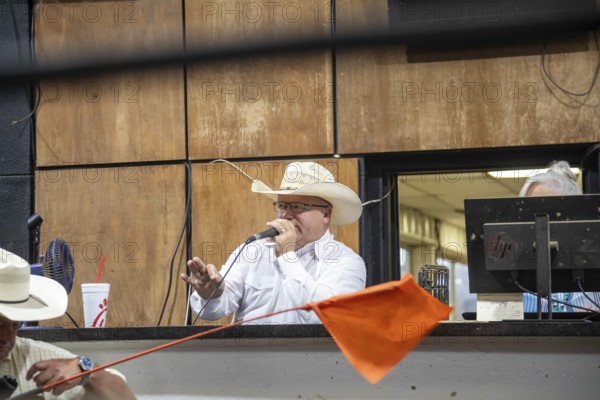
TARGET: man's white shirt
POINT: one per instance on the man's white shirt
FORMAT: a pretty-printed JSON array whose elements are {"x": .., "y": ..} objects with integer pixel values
[{"x": 259, "y": 282}]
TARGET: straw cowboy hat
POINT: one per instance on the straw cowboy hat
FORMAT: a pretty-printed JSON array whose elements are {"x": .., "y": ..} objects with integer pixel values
[
  {"x": 26, "y": 297},
  {"x": 312, "y": 179}
]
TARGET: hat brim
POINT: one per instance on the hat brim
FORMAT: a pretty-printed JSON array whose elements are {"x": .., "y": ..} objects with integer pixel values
[
  {"x": 347, "y": 206},
  {"x": 47, "y": 299}
]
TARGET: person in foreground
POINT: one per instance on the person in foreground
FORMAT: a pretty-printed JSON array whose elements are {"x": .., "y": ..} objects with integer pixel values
[
  {"x": 302, "y": 264},
  {"x": 559, "y": 180},
  {"x": 26, "y": 297}
]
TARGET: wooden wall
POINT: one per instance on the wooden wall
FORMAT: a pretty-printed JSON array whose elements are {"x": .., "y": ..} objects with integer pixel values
[
  {"x": 124, "y": 117},
  {"x": 250, "y": 108},
  {"x": 133, "y": 216},
  {"x": 95, "y": 134},
  {"x": 454, "y": 100}
]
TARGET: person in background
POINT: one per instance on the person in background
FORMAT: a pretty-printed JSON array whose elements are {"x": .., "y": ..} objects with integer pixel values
[
  {"x": 559, "y": 180},
  {"x": 26, "y": 297},
  {"x": 302, "y": 264}
]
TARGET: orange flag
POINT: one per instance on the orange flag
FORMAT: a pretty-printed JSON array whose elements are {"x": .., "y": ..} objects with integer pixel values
[{"x": 376, "y": 327}]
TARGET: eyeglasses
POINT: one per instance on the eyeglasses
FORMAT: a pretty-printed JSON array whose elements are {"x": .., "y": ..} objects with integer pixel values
[
  {"x": 296, "y": 207},
  {"x": 9, "y": 326}
]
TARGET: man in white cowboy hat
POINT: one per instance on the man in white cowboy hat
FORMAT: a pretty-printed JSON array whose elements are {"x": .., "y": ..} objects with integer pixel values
[
  {"x": 303, "y": 263},
  {"x": 26, "y": 297}
]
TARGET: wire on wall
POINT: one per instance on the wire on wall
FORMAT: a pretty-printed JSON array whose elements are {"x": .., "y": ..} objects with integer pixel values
[
  {"x": 381, "y": 198},
  {"x": 186, "y": 220},
  {"x": 37, "y": 95},
  {"x": 559, "y": 87}
]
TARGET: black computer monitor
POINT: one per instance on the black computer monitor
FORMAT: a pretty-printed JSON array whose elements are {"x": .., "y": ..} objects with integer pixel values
[{"x": 501, "y": 243}]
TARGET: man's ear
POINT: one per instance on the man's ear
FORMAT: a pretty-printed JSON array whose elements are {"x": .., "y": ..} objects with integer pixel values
[{"x": 327, "y": 212}]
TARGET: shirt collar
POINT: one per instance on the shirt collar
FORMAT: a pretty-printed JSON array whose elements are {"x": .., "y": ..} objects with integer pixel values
[{"x": 317, "y": 248}]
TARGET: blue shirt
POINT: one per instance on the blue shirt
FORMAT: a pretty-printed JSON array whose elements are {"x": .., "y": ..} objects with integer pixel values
[{"x": 575, "y": 299}]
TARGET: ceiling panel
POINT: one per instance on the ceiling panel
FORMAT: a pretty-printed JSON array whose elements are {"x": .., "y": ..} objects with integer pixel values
[{"x": 442, "y": 195}]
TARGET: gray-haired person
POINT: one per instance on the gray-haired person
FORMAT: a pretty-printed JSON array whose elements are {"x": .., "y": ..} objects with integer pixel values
[{"x": 559, "y": 180}]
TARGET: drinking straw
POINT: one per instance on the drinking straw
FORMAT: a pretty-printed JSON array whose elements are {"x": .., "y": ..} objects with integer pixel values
[{"x": 100, "y": 269}]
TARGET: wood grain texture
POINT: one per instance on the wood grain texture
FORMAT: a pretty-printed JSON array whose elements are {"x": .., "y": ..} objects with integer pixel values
[
  {"x": 105, "y": 28},
  {"x": 133, "y": 216},
  {"x": 226, "y": 212},
  {"x": 386, "y": 103},
  {"x": 217, "y": 23},
  {"x": 243, "y": 109},
  {"x": 128, "y": 116}
]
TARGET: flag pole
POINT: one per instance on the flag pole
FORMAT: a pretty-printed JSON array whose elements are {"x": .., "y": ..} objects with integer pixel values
[{"x": 45, "y": 388}]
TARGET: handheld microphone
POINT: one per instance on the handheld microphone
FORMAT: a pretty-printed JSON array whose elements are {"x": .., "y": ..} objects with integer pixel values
[{"x": 264, "y": 234}]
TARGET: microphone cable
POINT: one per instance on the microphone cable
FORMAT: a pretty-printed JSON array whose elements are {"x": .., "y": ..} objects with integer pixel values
[{"x": 220, "y": 282}]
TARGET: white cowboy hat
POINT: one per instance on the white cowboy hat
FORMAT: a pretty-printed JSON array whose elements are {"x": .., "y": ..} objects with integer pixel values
[
  {"x": 312, "y": 179},
  {"x": 26, "y": 297}
]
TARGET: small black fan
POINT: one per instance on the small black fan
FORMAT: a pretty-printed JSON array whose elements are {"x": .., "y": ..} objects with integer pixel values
[{"x": 58, "y": 263}]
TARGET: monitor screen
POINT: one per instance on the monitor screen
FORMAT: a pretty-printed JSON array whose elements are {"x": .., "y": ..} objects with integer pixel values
[{"x": 501, "y": 242}]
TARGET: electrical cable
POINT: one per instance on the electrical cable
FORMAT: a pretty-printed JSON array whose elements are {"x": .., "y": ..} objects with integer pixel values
[
  {"x": 183, "y": 229},
  {"x": 587, "y": 154},
  {"x": 72, "y": 320},
  {"x": 552, "y": 299},
  {"x": 38, "y": 97},
  {"x": 592, "y": 84},
  {"x": 234, "y": 166},
  {"x": 252, "y": 179},
  {"x": 585, "y": 294},
  {"x": 20, "y": 57},
  {"x": 187, "y": 305},
  {"x": 381, "y": 198}
]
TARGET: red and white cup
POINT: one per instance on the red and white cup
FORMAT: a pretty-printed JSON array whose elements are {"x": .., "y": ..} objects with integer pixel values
[{"x": 95, "y": 304}]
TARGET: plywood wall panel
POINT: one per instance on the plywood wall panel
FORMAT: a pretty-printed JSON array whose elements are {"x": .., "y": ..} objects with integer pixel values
[
  {"x": 387, "y": 103},
  {"x": 227, "y": 22},
  {"x": 270, "y": 106},
  {"x": 111, "y": 27},
  {"x": 128, "y": 116},
  {"x": 133, "y": 216}
]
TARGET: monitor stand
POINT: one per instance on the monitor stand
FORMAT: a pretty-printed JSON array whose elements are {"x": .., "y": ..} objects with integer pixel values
[{"x": 543, "y": 273}]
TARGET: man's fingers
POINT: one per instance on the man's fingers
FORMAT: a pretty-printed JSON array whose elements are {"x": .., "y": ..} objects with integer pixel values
[
  {"x": 213, "y": 273},
  {"x": 197, "y": 266},
  {"x": 203, "y": 277},
  {"x": 30, "y": 372},
  {"x": 44, "y": 377},
  {"x": 201, "y": 271}
]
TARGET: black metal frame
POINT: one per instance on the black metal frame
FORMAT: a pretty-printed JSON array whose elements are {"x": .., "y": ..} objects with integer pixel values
[{"x": 379, "y": 233}]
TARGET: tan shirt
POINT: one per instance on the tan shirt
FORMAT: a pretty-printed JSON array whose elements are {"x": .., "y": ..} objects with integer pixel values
[{"x": 24, "y": 354}]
